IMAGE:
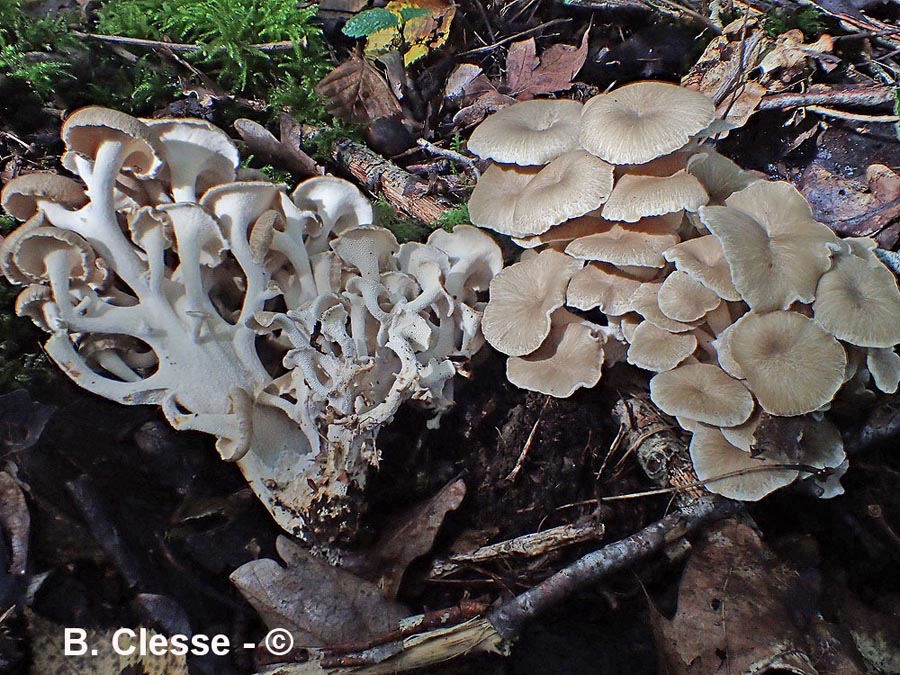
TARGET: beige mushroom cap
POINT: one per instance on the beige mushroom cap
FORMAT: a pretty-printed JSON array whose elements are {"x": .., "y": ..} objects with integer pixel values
[
  {"x": 792, "y": 366},
  {"x": 645, "y": 302},
  {"x": 522, "y": 297},
  {"x": 859, "y": 303},
  {"x": 658, "y": 350},
  {"x": 603, "y": 287},
  {"x": 770, "y": 271},
  {"x": 21, "y": 196},
  {"x": 702, "y": 392},
  {"x": 684, "y": 299},
  {"x": 623, "y": 246},
  {"x": 719, "y": 176},
  {"x": 493, "y": 201},
  {"x": 528, "y": 133},
  {"x": 565, "y": 232},
  {"x": 85, "y": 130},
  {"x": 42, "y": 254},
  {"x": 570, "y": 358},
  {"x": 712, "y": 455},
  {"x": 704, "y": 260},
  {"x": 573, "y": 184},
  {"x": 643, "y": 120},
  {"x": 884, "y": 365},
  {"x": 635, "y": 196},
  {"x": 30, "y": 303}
]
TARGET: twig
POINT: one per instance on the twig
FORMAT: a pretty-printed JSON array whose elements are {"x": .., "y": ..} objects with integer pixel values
[
  {"x": 870, "y": 97},
  {"x": 282, "y": 46},
  {"x": 889, "y": 258},
  {"x": 493, "y": 45},
  {"x": 509, "y": 618},
  {"x": 857, "y": 117},
  {"x": 459, "y": 158},
  {"x": 528, "y": 442}
]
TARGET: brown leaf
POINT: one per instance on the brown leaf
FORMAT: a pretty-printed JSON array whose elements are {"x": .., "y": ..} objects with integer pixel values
[
  {"x": 527, "y": 75},
  {"x": 320, "y": 604},
  {"x": 741, "y": 610},
  {"x": 413, "y": 535},
  {"x": 356, "y": 93},
  {"x": 15, "y": 522}
]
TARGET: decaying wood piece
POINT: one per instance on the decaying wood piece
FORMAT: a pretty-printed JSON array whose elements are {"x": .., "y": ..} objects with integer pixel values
[
  {"x": 382, "y": 178},
  {"x": 873, "y": 97},
  {"x": 659, "y": 449},
  {"x": 526, "y": 546}
]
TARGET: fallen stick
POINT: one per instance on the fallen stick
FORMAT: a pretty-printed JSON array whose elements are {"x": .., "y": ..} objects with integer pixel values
[
  {"x": 178, "y": 47},
  {"x": 868, "y": 97}
]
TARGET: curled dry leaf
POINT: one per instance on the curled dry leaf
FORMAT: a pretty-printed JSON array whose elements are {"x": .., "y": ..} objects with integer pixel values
[
  {"x": 737, "y": 604},
  {"x": 22, "y": 421},
  {"x": 528, "y": 75},
  {"x": 15, "y": 526},
  {"x": 413, "y": 535},
  {"x": 320, "y": 604},
  {"x": 356, "y": 93}
]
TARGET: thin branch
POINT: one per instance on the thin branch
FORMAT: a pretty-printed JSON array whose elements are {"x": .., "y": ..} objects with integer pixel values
[
  {"x": 509, "y": 618},
  {"x": 869, "y": 97},
  {"x": 856, "y": 117},
  {"x": 283, "y": 46},
  {"x": 452, "y": 155},
  {"x": 530, "y": 31}
]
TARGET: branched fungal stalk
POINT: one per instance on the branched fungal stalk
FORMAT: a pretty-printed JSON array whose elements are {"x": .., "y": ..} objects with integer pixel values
[{"x": 286, "y": 325}]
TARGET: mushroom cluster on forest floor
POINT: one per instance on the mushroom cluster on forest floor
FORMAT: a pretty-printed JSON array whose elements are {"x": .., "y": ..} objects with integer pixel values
[
  {"x": 642, "y": 243},
  {"x": 286, "y": 325}
]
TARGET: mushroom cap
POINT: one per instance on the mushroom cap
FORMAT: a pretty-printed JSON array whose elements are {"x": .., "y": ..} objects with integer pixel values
[
  {"x": 770, "y": 270},
  {"x": 565, "y": 232},
  {"x": 658, "y": 350},
  {"x": 572, "y": 185},
  {"x": 712, "y": 455},
  {"x": 719, "y": 176},
  {"x": 198, "y": 154},
  {"x": 528, "y": 132},
  {"x": 643, "y": 120},
  {"x": 859, "y": 303},
  {"x": 702, "y": 392},
  {"x": 493, "y": 201},
  {"x": 475, "y": 258},
  {"x": 601, "y": 286},
  {"x": 523, "y": 296},
  {"x": 29, "y": 253},
  {"x": 85, "y": 130},
  {"x": 570, "y": 358},
  {"x": 30, "y": 302},
  {"x": 338, "y": 203},
  {"x": 370, "y": 250},
  {"x": 704, "y": 260},
  {"x": 636, "y": 196},
  {"x": 21, "y": 195},
  {"x": 645, "y": 301},
  {"x": 684, "y": 299},
  {"x": 792, "y": 365},
  {"x": 884, "y": 365},
  {"x": 822, "y": 446},
  {"x": 622, "y": 245}
]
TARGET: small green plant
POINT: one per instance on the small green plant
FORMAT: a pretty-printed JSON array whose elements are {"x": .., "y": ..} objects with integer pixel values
[
  {"x": 226, "y": 33},
  {"x": 370, "y": 21},
  {"x": 458, "y": 215},
  {"x": 808, "y": 19},
  {"x": 404, "y": 229}
]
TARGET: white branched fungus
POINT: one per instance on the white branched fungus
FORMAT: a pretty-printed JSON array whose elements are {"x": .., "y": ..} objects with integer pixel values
[
  {"x": 286, "y": 325},
  {"x": 754, "y": 316}
]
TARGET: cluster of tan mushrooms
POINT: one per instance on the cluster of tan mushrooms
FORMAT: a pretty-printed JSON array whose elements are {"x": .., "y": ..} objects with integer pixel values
[
  {"x": 753, "y": 315},
  {"x": 286, "y": 325}
]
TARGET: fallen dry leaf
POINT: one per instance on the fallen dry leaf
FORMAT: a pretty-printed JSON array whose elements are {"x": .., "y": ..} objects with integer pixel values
[
  {"x": 419, "y": 35},
  {"x": 48, "y": 657},
  {"x": 320, "y": 604},
  {"x": 742, "y": 611},
  {"x": 789, "y": 54},
  {"x": 356, "y": 93},
  {"x": 413, "y": 535},
  {"x": 22, "y": 421},
  {"x": 528, "y": 75},
  {"x": 15, "y": 524}
]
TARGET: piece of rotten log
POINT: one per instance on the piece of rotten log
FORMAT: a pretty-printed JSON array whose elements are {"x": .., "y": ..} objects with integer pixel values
[
  {"x": 866, "y": 97},
  {"x": 382, "y": 178}
]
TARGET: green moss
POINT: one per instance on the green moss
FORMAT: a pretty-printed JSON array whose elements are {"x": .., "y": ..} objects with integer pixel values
[
  {"x": 22, "y": 363},
  {"x": 458, "y": 215},
  {"x": 403, "y": 228},
  {"x": 808, "y": 19}
]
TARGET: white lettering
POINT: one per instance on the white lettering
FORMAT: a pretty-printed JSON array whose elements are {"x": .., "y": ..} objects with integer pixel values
[
  {"x": 75, "y": 642},
  {"x": 118, "y": 648}
]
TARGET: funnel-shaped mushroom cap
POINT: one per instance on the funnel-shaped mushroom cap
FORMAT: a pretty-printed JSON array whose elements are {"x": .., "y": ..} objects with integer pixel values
[
  {"x": 603, "y": 287},
  {"x": 528, "y": 132},
  {"x": 643, "y": 120},
  {"x": 30, "y": 302},
  {"x": 792, "y": 366},
  {"x": 623, "y": 246},
  {"x": 719, "y": 176},
  {"x": 85, "y": 130},
  {"x": 523, "y": 296},
  {"x": 712, "y": 455},
  {"x": 43, "y": 254},
  {"x": 636, "y": 196},
  {"x": 493, "y": 201},
  {"x": 570, "y": 358},
  {"x": 884, "y": 365},
  {"x": 684, "y": 299},
  {"x": 702, "y": 392},
  {"x": 198, "y": 155},
  {"x": 572, "y": 185},
  {"x": 821, "y": 447},
  {"x": 645, "y": 302},
  {"x": 770, "y": 270},
  {"x": 338, "y": 203},
  {"x": 21, "y": 197},
  {"x": 703, "y": 259},
  {"x": 656, "y": 349},
  {"x": 858, "y": 302},
  {"x": 368, "y": 249}
]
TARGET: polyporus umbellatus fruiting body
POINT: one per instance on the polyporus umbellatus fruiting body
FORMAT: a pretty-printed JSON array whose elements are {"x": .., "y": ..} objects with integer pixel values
[
  {"x": 754, "y": 316},
  {"x": 286, "y": 325}
]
